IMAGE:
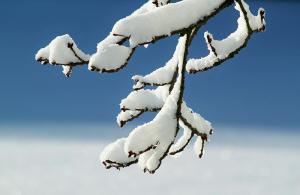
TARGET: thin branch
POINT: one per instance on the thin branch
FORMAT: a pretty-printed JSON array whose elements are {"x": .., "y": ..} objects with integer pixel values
[
  {"x": 209, "y": 39},
  {"x": 202, "y": 147},
  {"x": 181, "y": 149},
  {"x": 141, "y": 109},
  {"x": 111, "y": 164},
  {"x": 70, "y": 46},
  {"x": 135, "y": 154}
]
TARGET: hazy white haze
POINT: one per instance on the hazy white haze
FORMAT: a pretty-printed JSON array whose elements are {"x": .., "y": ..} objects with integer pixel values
[{"x": 237, "y": 161}]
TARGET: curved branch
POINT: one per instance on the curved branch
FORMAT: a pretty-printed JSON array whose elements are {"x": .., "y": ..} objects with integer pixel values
[
  {"x": 221, "y": 51},
  {"x": 111, "y": 164},
  {"x": 183, "y": 141},
  {"x": 71, "y": 47}
]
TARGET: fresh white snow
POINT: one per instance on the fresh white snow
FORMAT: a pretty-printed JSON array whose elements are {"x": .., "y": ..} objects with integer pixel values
[
  {"x": 127, "y": 115},
  {"x": 222, "y": 49},
  {"x": 164, "y": 20},
  {"x": 58, "y": 52},
  {"x": 115, "y": 153},
  {"x": 196, "y": 120},
  {"x": 110, "y": 58},
  {"x": 146, "y": 99}
]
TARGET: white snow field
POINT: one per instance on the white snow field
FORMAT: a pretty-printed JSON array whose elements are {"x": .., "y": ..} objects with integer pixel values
[{"x": 237, "y": 161}]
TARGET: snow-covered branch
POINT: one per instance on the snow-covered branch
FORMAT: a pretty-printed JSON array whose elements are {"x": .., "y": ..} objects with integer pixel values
[
  {"x": 183, "y": 141},
  {"x": 168, "y": 20},
  {"x": 148, "y": 144},
  {"x": 165, "y": 75},
  {"x": 159, "y": 134},
  {"x": 62, "y": 51},
  {"x": 146, "y": 100},
  {"x": 111, "y": 55},
  {"x": 227, "y": 48},
  {"x": 153, "y": 141},
  {"x": 114, "y": 156},
  {"x": 127, "y": 116}
]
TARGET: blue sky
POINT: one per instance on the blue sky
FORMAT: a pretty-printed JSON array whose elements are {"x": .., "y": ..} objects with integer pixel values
[{"x": 259, "y": 87}]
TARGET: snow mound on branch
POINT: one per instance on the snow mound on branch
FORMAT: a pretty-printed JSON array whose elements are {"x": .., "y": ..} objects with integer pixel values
[
  {"x": 110, "y": 58},
  {"x": 59, "y": 51},
  {"x": 126, "y": 116},
  {"x": 164, "y": 20},
  {"x": 149, "y": 6},
  {"x": 196, "y": 120},
  {"x": 256, "y": 22},
  {"x": 146, "y": 99},
  {"x": 67, "y": 70},
  {"x": 161, "y": 76},
  {"x": 114, "y": 155}
]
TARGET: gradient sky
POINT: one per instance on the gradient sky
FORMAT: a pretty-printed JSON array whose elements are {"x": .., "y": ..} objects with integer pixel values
[{"x": 259, "y": 87}]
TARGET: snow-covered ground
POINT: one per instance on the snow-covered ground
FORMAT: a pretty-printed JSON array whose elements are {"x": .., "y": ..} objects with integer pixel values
[{"x": 240, "y": 161}]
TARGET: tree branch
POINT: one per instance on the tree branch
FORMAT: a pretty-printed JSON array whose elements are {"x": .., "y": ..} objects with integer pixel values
[{"x": 221, "y": 51}]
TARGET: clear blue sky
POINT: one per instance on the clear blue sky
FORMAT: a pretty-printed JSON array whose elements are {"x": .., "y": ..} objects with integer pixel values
[{"x": 260, "y": 87}]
